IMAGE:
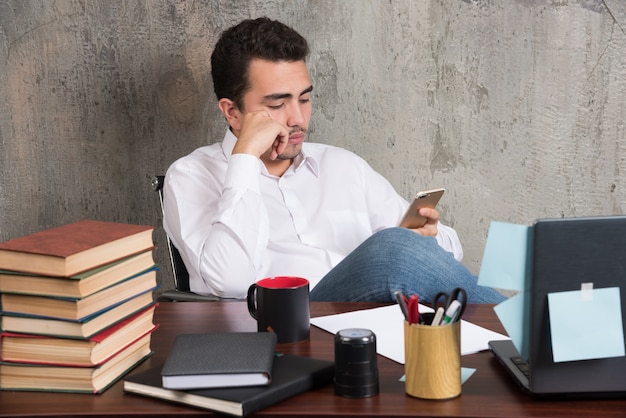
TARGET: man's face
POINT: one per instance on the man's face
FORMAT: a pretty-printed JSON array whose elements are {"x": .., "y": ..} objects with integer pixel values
[{"x": 284, "y": 90}]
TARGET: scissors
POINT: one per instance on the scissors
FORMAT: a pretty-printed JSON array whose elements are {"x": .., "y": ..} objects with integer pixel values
[{"x": 444, "y": 299}]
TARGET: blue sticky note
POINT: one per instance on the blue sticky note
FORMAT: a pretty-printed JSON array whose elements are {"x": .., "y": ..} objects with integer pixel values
[
  {"x": 505, "y": 262},
  {"x": 586, "y": 324},
  {"x": 514, "y": 316},
  {"x": 466, "y": 373}
]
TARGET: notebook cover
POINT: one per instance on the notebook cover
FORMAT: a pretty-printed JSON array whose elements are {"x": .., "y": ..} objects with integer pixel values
[
  {"x": 210, "y": 360},
  {"x": 291, "y": 375}
]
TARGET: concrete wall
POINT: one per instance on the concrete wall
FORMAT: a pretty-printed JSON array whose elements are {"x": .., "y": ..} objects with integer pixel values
[{"x": 517, "y": 107}]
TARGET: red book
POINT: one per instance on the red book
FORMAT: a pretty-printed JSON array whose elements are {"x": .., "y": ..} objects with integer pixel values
[
  {"x": 39, "y": 349},
  {"x": 74, "y": 248}
]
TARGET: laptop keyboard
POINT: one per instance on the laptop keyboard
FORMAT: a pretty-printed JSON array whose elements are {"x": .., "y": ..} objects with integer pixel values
[{"x": 521, "y": 364}]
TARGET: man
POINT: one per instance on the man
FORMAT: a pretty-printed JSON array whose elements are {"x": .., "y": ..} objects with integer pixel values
[{"x": 264, "y": 203}]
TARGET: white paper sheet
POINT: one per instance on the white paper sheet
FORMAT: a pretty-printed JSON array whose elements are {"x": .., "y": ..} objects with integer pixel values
[{"x": 387, "y": 323}]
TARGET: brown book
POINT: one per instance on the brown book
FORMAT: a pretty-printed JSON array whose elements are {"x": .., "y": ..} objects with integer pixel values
[
  {"x": 39, "y": 349},
  {"x": 74, "y": 248},
  {"x": 82, "y": 328},
  {"x": 79, "y": 285},
  {"x": 21, "y": 376},
  {"x": 65, "y": 308}
]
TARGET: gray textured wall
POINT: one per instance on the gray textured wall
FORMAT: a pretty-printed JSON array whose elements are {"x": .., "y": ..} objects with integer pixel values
[{"x": 517, "y": 107}]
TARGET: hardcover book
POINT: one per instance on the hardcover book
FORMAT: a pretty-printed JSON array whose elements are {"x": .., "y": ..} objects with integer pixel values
[
  {"x": 69, "y": 308},
  {"x": 79, "y": 285},
  {"x": 291, "y": 375},
  {"x": 22, "y": 376},
  {"x": 38, "y": 349},
  {"x": 81, "y": 328},
  {"x": 74, "y": 248},
  {"x": 219, "y": 360}
]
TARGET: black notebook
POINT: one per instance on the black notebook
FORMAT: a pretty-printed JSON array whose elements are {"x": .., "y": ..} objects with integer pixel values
[
  {"x": 291, "y": 375},
  {"x": 200, "y": 361}
]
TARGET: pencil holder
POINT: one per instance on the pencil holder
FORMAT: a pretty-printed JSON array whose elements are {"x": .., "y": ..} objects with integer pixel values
[{"x": 432, "y": 360}]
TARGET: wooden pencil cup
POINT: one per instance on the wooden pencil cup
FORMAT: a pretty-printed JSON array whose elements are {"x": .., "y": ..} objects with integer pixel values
[{"x": 432, "y": 360}]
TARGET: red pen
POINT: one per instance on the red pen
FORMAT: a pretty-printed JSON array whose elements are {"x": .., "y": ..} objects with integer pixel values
[{"x": 414, "y": 313}]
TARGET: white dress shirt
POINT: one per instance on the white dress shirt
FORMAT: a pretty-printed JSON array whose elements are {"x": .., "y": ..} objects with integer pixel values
[{"x": 234, "y": 223}]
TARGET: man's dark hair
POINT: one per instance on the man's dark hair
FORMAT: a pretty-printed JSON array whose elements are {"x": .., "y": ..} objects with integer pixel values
[{"x": 254, "y": 38}]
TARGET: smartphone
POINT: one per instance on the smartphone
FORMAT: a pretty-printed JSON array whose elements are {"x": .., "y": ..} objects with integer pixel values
[{"x": 425, "y": 199}]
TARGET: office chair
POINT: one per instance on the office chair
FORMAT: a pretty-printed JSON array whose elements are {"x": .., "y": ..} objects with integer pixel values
[{"x": 181, "y": 293}]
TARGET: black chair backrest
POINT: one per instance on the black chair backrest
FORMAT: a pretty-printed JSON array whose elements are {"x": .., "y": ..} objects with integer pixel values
[{"x": 181, "y": 275}]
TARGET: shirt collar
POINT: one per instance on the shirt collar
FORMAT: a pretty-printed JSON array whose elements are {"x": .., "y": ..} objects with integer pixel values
[
  {"x": 228, "y": 143},
  {"x": 304, "y": 159}
]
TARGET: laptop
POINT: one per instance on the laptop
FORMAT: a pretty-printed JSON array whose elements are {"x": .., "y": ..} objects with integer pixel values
[{"x": 565, "y": 253}]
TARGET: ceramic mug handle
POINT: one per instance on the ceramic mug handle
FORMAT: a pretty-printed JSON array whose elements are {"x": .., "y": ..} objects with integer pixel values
[{"x": 252, "y": 301}]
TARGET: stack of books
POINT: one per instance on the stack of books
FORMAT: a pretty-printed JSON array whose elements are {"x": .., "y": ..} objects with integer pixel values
[{"x": 76, "y": 306}]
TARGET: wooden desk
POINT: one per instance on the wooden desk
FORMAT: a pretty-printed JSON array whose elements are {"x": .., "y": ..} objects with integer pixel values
[{"x": 489, "y": 392}]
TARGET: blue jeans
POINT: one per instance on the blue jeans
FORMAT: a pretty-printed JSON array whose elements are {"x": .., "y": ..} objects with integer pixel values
[{"x": 399, "y": 259}]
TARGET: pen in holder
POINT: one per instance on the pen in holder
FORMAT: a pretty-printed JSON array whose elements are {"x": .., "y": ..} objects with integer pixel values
[{"x": 432, "y": 360}]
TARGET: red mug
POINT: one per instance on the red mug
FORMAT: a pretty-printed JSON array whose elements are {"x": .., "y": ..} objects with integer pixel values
[{"x": 281, "y": 305}]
